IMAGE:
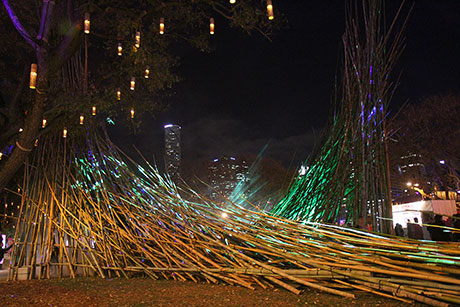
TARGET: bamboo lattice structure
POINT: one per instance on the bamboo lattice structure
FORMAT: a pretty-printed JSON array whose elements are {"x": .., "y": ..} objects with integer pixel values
[
  {"x": 88, "y": 212},
  {"x": 349, "y": 176}
]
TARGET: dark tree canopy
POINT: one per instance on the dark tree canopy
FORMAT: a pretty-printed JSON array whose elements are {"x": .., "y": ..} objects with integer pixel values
[
  {"x": 430, "y": 130},
  {"x": 78, "y": 71}
]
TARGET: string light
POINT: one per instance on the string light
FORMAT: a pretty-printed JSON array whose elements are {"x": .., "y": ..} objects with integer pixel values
[
  {"x": 162, "y": 25},
  {"x": 87, "y": 22},
  {"x": 232, "y": 1},
  {"x": 33, "y": 76},
  {"x": 20, "y": 129},
  {"x": 211, "y": 26},
  {"x": 64, "y": 133},
  {"x": 138, "y": 39},
  {"x": 118, "y": 94},
  {"x": 119, "y": 49},
  {"x": 93, "y": 111},
  {"x": 133, "y": 83},
  {"x": 43, "y": 123},
  {"x": 36, "y": 143},
  {"x": 132, "y": 113},
  {"x": 147, "y": 72},
  {"x": 82, "y": 119},
  {"x": 270, "y": 10}
]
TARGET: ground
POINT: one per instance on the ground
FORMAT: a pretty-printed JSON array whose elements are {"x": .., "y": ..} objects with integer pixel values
[{"x": 148, "y": 292}]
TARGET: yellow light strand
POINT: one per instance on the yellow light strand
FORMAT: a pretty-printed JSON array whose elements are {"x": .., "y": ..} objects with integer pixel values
[
  {"x": 211, "y": 26},
  {"x": 162, "y": 25},
  {"x": 138, "y": 39},
  {"x": 270, "y": 10},
  {"x": 33, "y": 76},
  {"x": 133, "y": 83},
  {"x": 119, "y": 49},
  {"x": 87, "y": 23}
]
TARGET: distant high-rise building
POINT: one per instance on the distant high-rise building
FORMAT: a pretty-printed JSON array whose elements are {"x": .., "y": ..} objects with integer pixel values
[
  {"x": 172, "y": 150},
  {"x": 224, "y": 175}
]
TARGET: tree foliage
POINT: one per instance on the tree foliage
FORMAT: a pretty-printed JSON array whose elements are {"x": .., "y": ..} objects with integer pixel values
[
  {"x": 77, "y": 71},
  {"x": 430, "y": 129}
]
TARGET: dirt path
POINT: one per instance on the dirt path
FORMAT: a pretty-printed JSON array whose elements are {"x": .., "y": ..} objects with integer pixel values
[{"x": 146, "y": 292}]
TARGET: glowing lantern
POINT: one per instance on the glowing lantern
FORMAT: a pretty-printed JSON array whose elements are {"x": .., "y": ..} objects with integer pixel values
[
  {"x": 93, "y": 110},
  {"x": 33, "y": 76},
  {"x": 43, "y": 123},
  {"x": 138, "y": 39},
  {"x": 232, "y": 1},
  {"x": 64, "y": 133},
  {"x": 82, "y": 119},
  {"x": 133, "y": 83},
  {"x": 270, "y": 10},
  {"x": 162, "y": 25},
  {"x": 211, "y": 26},
  {"x": 118, "y": 94},
  {"x": 87, "y": 22},
  {"x": 119, "y": 49},
  {"x": 132, "y": 113},
  {"x": 147, "y": 72}
]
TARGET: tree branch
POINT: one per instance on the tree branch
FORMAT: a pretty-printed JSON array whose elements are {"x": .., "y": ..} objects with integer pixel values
[{"x": 17, "y": 24}]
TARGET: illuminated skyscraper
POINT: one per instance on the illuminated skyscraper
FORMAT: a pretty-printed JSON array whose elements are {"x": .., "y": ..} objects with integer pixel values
[
  {"x": 224, "y": 175},
  {"x": 172, "y": 150}
]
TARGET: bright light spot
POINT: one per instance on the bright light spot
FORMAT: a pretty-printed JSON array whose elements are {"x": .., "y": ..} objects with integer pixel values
[
  {"x": 215, "y": 160},
  {"x": 303, "y": 170},
  {"x": 224, "y": 215},
  {"x": 416, "y": 185},
  {"x": 409, "y": 184},
  {"x": 168, "y": 126},
  {"x": 442, "y": 162}
]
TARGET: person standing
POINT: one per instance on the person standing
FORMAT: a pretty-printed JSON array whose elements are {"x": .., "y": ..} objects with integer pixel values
[
  {"x": 417, "y": 230},
  {"x": 437, "y": 230},
  {"x": 3, "y": 251}
]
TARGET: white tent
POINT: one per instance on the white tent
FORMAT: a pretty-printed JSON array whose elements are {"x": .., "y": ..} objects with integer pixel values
[{"x": 404, "y": 212}]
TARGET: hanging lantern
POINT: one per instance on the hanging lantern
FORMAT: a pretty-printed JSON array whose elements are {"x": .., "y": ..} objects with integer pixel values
[
  {"x": 132, "y": 113},
  {"x": 270, "y": 10},
  {"x": 118, "y": 94},
  {"x": 119, "y": 49},
  {"x": 64, "y": 133},
  {"x": 43, "y": 123},
  {"x": 232, "y": 1},
  {"x": 138, "y": 39},
  {"x": 36, "y": 143},
  {"x": 93, "y": 110},
  {"x": 82, "y": 119},
  {"x": 211, "y": 26},
  {"x": 147, "y": 72},
  {"x": 133, "y": 83},
  {"x": 87, "y": 22},
  {"x": 162, "y": 25},
  {"x": 33, "y": 76}
]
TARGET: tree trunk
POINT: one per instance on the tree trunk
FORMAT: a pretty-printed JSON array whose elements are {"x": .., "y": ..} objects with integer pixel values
[{"x": 32, "y": 122}]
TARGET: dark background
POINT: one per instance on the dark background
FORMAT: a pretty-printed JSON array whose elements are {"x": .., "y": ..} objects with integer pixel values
[{"x": 249, "y": 92}]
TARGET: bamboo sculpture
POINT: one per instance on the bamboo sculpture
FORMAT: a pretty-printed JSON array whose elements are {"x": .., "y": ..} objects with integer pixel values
[
  {"x": 87, "y": 212},
  {"x": 348, "y": 177}
]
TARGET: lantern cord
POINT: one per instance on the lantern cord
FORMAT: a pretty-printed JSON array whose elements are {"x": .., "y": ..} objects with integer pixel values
[{"x": 22, "y": 148}]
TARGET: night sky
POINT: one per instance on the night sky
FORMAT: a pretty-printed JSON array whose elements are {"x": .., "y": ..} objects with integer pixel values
[{"x": 250, "y": 92}]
